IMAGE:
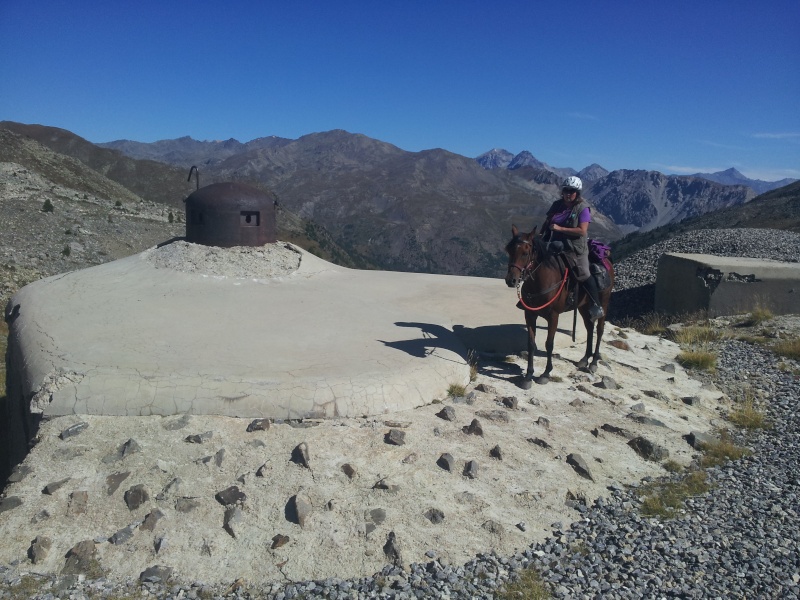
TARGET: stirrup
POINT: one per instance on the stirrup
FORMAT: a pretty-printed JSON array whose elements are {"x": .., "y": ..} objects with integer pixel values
[{"x": 596, "y": 312}]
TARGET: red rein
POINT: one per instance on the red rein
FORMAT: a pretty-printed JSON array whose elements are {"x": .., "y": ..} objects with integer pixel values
[{"x": 549, "y": 302}]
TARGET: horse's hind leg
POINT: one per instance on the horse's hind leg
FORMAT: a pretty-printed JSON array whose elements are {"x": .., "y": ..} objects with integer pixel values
[
  {"x": 596, "y": 357},
  {"x": 587, "y": 322}
]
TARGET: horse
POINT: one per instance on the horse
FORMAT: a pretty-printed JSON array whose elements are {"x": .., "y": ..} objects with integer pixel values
[{"x": 543, "y": 286}]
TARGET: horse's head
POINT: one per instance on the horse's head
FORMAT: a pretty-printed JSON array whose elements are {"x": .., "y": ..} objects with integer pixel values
[{"x": 520, "y": 255}]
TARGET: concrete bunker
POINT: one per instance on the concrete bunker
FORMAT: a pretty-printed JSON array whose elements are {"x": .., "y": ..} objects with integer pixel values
[{"x": 721, "y": 285}]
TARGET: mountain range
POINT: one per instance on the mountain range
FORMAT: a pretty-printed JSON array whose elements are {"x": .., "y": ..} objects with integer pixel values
[{"x": 370, "y": 204}]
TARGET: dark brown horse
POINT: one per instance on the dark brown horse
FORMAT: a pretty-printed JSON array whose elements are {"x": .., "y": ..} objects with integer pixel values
[{"x": 543, "y": 286}]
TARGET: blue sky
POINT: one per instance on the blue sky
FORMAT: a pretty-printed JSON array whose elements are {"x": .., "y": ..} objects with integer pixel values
[{"x": 678, "y": 86}]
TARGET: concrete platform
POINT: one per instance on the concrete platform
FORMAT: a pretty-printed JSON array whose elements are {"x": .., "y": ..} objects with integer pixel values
[
  {"x": 126, "y": 338},
  {"x": 721, "y": 285}
]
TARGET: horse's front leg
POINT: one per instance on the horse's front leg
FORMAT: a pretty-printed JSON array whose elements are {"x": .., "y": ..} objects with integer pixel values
[
  {"x": 552, "y": 325},
  {"x": 530, "y": 322}
]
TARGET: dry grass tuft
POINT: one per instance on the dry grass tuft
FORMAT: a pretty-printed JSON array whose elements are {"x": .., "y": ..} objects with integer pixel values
[
  {"x": 529, "y": 586},
  {"x": 788, "y": 348},
  {"x": 746, "y": 414},
  {"x": 456, "y": 390},
  {"x": 720, "y": 452},
  {"x": 664, "y": 499}
]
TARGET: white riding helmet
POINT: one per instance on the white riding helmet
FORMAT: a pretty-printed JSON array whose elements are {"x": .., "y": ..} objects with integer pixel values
[{"x": 573, "y": 183}]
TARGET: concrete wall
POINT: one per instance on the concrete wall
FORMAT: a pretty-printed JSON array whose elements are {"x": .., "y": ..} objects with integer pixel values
[{"x": 723, "y": 286}]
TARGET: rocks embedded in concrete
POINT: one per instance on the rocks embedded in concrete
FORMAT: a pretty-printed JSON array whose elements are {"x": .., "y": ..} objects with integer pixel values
[
  {"x": 128, "y": 448},
  {"x": 543, "y": 422},
  {"x": 496, "y": 452},
  {"x": 391, "y": 549},
  {"x": 42, "y": 515},
  {"x": 136, "y": 496},
  {"x": 486, "y": 388},
  {"x": 298, "y": 509},
  {"x": 638, "y": 407},
  {"x": 509, "y": 402},
  {"x": 668, "y": 368},
  {"x": 230, "y": 496},
  {"x": 656, "y": 395},
  {"x": 615, "y": 430},
  {"x": 471, "y": 469},
  {"x": 622, "y": 345},
  {"x": 349, "y": 470},
  {"x": 263, "y": 470},
  {"x": 541, "y": 443},
  {"x": 73, "y": 430},
  {"x": 579, "y": 465},
  {"x": 121, "y": 536},
  {"x": 522, "y": 526},
  {"x": 156, "y": 574},
  {"x": 398, "y": 424},
  {"x": 219, "y": 457},
  {"x": 448, "y": 413},
  {"x": 233, "y": 520},
  {"x": 395, "y": 437},
  {"x": 160, "y": 544},
  {"x": 493, "y": 527},
  {"x": 279, "y": 540},
  {"x": 645, "y": 420},
  {"x": 52, "y": 488},
  {"x": 78, "y": 500},
  {"x": 258, "y": 425},
  {"x": 434, "y": 515},
  {"x": 468, "y": 399},
  {"x": 82, "y": 558},
  {"x": 410, "y": 459},
  {"x": 648, "y": 450},
  {"x": 40, "y": 548},
  {"x": 446, "y": 462},
  {"x": 19, "y": 473},
  {"x": 691, "y": 400},
  {"x": 186, "y": 504},
  {"x": 199, "y": 438},
  {"x": 150, "y": 520},
  {"x": 500, "y": 416},
  {"x": 300, "y": 455},
  {"x": 699, "y": 440},
  {"x": 179, "y": 423},
  {"x": 386, "y": 486},
  {"x": 607, "y": 383},
  {"x": 173, "y": 487},
  {"x": 474, "y": 428}
]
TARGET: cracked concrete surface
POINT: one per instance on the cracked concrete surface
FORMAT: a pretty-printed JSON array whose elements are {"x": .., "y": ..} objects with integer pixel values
[{"x": 322, "y": 341}]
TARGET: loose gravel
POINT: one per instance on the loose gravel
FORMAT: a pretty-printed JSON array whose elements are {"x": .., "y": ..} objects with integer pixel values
[{"x": 740, "y": 540}]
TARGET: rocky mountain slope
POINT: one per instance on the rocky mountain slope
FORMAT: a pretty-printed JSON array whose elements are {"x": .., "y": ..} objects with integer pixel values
[
  {"x": 734, "y": 177},
  {"x": 645, "y": 200}
]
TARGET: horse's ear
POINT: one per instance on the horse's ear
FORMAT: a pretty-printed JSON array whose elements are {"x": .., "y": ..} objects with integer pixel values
[
  {"x": 531, "y": 235},
  {"x": 514, "y": 230}
]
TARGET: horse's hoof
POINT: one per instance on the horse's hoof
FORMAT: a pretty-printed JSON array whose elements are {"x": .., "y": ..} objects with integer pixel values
[
  {"x": 593, "y": 368},
  {"x": 583, "y": 363},
  {"x": 544, "y": 379},
  {"x": 526, "y": 384}
]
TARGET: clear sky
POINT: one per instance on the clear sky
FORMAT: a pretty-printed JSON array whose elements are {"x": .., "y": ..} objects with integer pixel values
[{"x": 676, "y": 86}]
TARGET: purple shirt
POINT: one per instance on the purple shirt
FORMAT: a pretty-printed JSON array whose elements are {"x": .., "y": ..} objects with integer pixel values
[{"x": 562, "y": 217}]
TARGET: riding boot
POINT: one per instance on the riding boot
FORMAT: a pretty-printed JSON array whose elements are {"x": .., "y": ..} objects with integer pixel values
[{"x": 595, "y": 311}]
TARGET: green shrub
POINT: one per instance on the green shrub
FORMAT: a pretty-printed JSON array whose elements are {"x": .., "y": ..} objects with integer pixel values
[
  {"x": 47, "y": 206},
  {"x": 66, "y": 251}
]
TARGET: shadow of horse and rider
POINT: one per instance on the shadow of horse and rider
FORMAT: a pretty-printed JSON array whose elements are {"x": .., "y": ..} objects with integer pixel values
[{"x": 545, "y": 288}]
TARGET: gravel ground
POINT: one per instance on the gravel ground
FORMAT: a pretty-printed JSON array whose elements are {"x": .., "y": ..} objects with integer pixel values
[{"x": 740, "y": 540}]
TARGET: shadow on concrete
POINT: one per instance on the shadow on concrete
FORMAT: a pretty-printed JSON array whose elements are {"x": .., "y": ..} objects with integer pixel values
[{"x": 433, "y": 338}]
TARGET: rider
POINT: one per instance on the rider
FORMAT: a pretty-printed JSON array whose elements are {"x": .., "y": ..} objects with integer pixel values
[{"x": 566, "y": 228}]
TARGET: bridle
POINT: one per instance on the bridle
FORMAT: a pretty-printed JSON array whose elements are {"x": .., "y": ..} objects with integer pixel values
[{"x": 527, "y": 272}]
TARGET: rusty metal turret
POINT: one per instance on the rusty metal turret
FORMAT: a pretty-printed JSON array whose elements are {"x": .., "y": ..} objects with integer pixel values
[{"x": 230, "y": 214}]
